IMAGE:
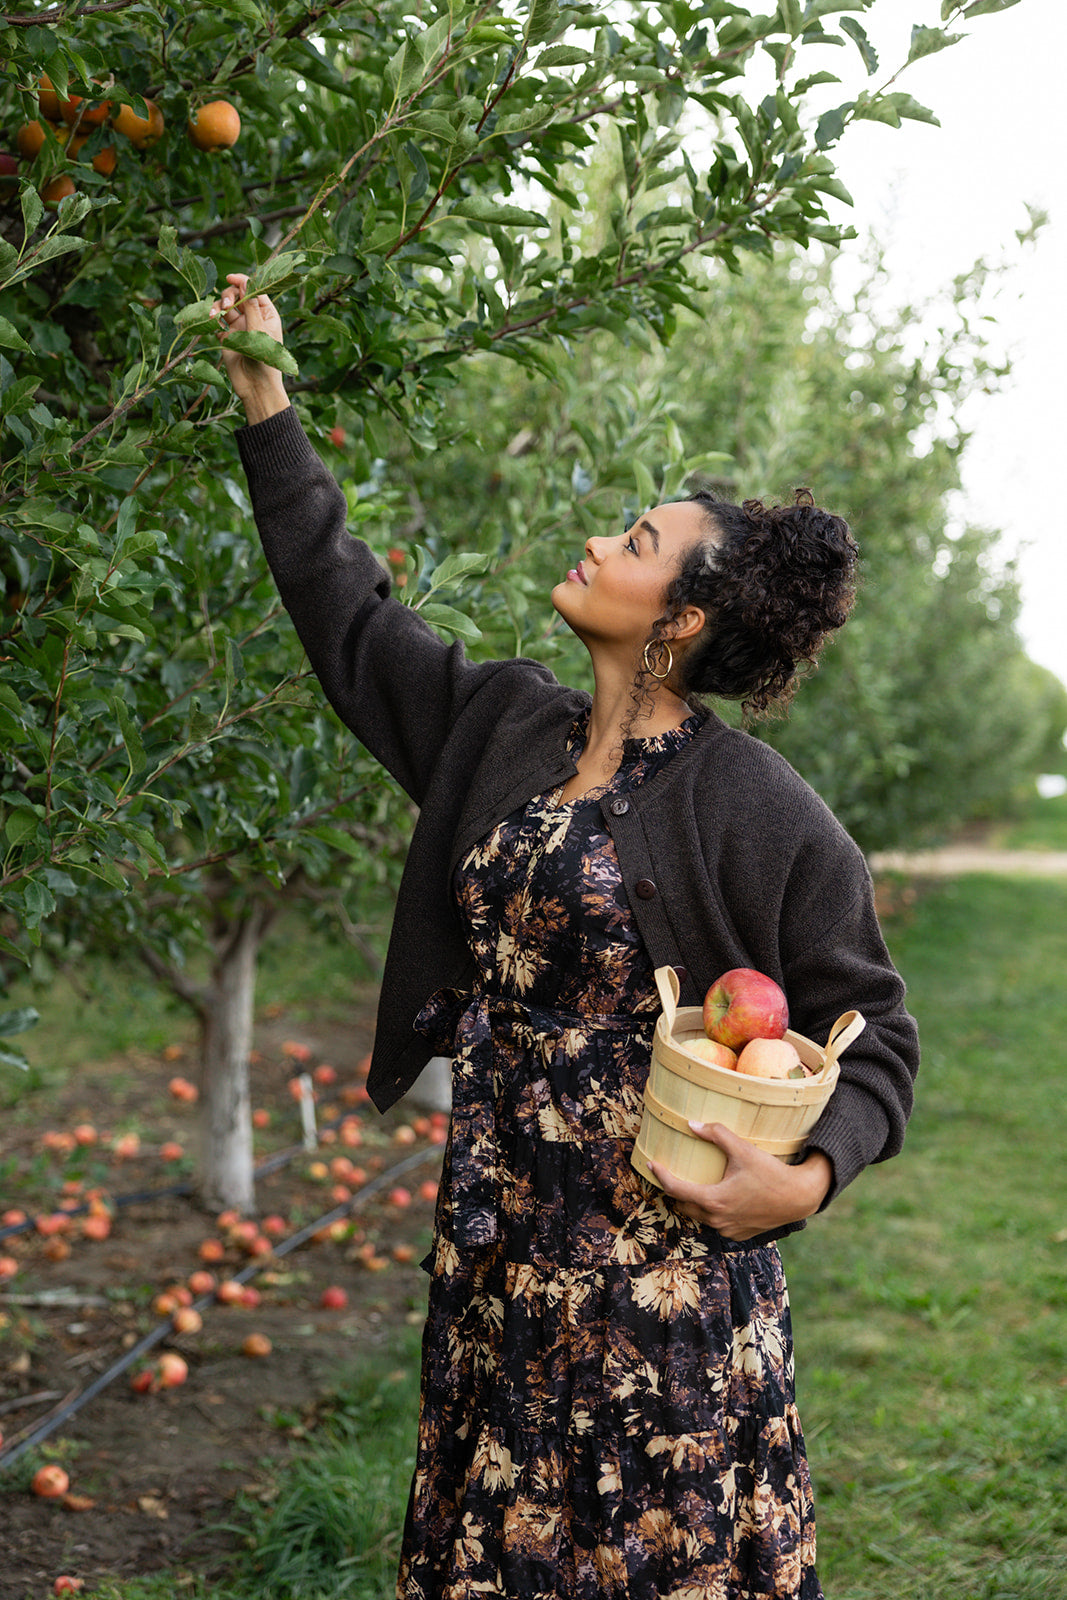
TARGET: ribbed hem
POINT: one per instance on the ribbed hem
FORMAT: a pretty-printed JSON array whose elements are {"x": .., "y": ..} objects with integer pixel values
[{"x": 278, "y": 445}]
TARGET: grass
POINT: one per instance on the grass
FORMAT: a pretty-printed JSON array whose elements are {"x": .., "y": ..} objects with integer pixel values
[
  {"x": 329, "y": 1524},
  {"x": 930, "y": 1308}
]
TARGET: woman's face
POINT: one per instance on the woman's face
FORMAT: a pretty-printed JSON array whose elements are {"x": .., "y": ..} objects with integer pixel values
[{"x": 619, "y": 589}]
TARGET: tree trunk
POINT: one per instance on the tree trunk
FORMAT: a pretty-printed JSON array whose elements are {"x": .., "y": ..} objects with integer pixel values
[{"x": 226, "y": 1039}]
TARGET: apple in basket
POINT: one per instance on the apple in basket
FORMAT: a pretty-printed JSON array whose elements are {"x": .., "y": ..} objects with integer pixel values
[
  {"x": 719, "y": 1055},
  {"x": 770, "y": 1058},
  {"x": 743, "y": 1005}
]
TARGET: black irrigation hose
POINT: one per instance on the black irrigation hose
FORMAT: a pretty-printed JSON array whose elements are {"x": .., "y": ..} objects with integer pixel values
[
  {"x": 280, "y": 1158},
  {"x": 158, "y": 1334}
]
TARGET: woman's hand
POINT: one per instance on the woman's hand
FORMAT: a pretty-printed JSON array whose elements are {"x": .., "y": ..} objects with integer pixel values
[
  {"x": 756, "y": 1193},
  {"x": 259, "y": 387}
]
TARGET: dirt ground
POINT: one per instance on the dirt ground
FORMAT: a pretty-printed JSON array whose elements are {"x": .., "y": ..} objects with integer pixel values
[{"x": 150, "y": 1473}]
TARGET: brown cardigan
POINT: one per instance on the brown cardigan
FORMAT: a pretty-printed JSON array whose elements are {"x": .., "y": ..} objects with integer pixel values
[{"x": 729, "y": 858}]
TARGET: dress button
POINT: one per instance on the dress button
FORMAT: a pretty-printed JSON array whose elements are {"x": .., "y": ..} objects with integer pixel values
[
  {"x": 619, "y": 808},
  {"x": 644, "y": 888}
]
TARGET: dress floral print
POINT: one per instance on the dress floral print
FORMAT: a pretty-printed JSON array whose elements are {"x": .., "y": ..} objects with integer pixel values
[{"x": 607, "y": 1405}]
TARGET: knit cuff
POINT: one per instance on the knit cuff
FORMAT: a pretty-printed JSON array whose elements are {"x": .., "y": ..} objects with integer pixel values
[
  {"x": 278, "y": 445},
  {"x": 837, "y": 1135}
]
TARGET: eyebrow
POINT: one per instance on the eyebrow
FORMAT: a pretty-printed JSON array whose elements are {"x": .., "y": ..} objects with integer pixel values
[{"x": 644, "y": 523}]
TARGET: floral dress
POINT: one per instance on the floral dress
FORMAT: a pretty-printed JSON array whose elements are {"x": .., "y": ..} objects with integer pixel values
[{"x": 607, "y": 1406}]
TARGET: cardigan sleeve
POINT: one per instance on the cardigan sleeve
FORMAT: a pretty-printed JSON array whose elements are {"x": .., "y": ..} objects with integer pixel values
[
  {"x": 389, "y": 676},
  {"x": 835, "y": 957}
]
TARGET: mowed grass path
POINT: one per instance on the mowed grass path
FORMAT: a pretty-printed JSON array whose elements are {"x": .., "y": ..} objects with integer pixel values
[{"x": 930, "y": 1303}]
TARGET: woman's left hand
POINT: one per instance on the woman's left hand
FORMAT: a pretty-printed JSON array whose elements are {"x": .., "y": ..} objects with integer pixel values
[{"x": 756, "y": 1193}]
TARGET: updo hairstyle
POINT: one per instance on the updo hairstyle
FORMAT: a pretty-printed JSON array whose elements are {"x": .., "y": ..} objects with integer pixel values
[{"x": 777, "y": 581}]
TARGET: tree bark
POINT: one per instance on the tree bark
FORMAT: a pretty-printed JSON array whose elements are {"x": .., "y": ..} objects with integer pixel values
[{"x": 226, "y": 1040}]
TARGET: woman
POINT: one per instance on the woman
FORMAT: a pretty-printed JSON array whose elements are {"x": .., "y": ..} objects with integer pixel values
[{"x": 607, "y": 1404}]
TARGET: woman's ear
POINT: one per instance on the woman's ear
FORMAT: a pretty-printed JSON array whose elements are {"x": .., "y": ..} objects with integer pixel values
[{"x": 686, "y": 625}]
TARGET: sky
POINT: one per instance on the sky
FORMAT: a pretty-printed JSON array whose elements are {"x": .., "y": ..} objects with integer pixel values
[{"x": 940, "y": 198}]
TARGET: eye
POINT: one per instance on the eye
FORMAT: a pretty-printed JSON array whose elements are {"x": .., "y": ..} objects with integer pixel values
[{"x": 631, "y": 545}]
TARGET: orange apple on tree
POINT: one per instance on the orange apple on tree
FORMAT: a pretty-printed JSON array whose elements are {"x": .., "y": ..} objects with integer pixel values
[{"x": 744, "y": 1004}]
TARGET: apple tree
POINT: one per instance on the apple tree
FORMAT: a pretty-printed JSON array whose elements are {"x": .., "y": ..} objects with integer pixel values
[{"x": 409, "y": 181}]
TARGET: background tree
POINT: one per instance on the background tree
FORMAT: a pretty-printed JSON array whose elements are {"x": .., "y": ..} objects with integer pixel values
[{"x": 409, "y": 180}]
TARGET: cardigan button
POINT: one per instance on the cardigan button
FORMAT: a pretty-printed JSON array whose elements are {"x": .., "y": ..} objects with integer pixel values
[
  {"x": 645, "y": 889},
  {"x": 683, "y": 973},
  {"x": 619, "y": 808}
]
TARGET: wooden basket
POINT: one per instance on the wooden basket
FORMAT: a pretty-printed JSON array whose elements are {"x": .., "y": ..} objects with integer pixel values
[{"x": 775, "y": 1113}]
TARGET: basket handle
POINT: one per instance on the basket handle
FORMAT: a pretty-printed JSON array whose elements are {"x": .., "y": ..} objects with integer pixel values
[
  {"x": 848, "y": 1027},
  {"x": 669, "y": 992}
]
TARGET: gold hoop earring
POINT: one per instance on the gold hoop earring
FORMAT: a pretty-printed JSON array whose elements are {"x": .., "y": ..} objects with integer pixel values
[{"x": 658, "y": 645}]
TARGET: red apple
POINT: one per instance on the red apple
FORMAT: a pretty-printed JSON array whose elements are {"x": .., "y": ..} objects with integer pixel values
[
  {"x": 230, "y": 1292},
  {"x": 399, "y": 1197},
  {"x": 333, "y": 1298},
  {"x": 202, "y": 1282},
  {"x": 255, "y": 1344},
  {"x": 187, "y": 1320},
  {"x": 50, "y": 1481},
  {"x": 8, "y": 1267},
  {"x": 770, "y": 1058},
  {"x": 65, "y": 1584},
  {"x": 172, "y": 1370},
  {"x": 337, "y": 436},
  {"x": 744, "y": 1005}
]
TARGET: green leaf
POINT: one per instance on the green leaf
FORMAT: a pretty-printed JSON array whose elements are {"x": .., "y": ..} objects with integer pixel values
[
  {"x": 562, "y": 55},
  {"x": 453, "y": 621},
  {"x": 465, "y": 564},
  {"x": 337, "y": 839},
  {"x": 831, "y": 125},
  {"x": 261, "y": 347},
  {"x": 544, "y": 19},
  {"x": 265, "y": 279},
  {"x": 197, "y": 311},
  {"x": 32, "y": 209},
  {"x": 11, "y": 338},
  {"x": 19, "y": 826},
  {"x": 203, "y": 372},
  {"x": 480, "y": 209},
  {"x": 54, "y": 244},
  {"x": 646, "y": 487},
  {"x": 856, "y": 31},
  {"x": 982, "y": 8},
  {"x": 927, "y": 41}
]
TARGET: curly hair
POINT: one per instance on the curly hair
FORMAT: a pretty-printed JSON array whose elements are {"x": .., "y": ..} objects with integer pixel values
[{"x": 774, "y": 585}]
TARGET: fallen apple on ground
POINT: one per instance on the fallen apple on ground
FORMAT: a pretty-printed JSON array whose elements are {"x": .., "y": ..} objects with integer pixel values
[
  {"x": 50, "y": 1481},
  {"x": 744, "y": 1004}
]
